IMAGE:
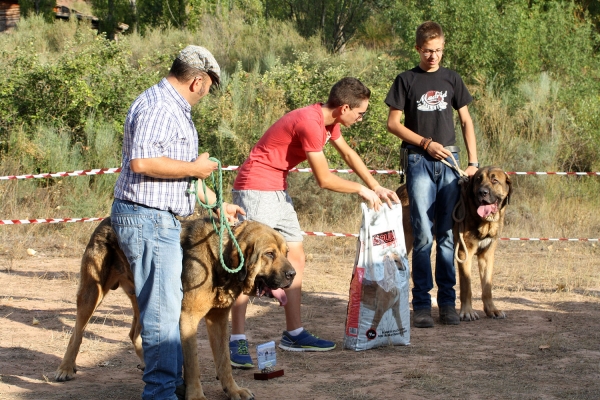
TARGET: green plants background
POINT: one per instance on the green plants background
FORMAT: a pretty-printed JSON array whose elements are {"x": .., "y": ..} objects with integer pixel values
[{"x": 532, "y": 68}]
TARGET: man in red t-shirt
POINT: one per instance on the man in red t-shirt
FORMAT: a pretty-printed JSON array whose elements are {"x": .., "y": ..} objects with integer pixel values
[{"x": 261, "y": 190}]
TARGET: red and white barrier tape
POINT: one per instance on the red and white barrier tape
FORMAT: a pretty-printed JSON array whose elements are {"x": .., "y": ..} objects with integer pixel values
[
  {"x": 556, "y": 173},
  {"x": 553, "y": 239},
  {"x": 87, "y": 172},
  {"x": 331, "y": 234},
  {"x": 46, "y": 221},
  {"x": 63, "y": 174},
  {"x": 325, "y": 234}
]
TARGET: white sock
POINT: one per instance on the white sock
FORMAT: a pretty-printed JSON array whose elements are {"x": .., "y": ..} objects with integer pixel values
[
  {"x": 296, "y": 332},
  {"x": 235, "y": 338}
]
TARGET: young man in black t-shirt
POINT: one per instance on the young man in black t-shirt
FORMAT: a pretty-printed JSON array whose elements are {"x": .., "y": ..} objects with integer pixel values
[{"x": 426, "y": 95}]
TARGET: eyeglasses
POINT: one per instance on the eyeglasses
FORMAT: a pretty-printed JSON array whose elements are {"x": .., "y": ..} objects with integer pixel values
[
  {"x": 429, "y": 52},
  {"x": 361, "y": 115}
]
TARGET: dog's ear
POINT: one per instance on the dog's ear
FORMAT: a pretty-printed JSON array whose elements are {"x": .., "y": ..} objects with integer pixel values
[
  {"x": 252, "y": 255},
  {"x": 243, "y": 272},
  {"x": 247, "y": 240},
  {"x": 466, "y": 186},
  {"x": 232, "y": 252},
  {"x": 509, "y": 184},
  {"x": 232, "y": 258}
]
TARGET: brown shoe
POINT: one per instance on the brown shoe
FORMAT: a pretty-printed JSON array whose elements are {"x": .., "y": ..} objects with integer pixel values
[
  {"x": 422, "y": 318},
  {"x": 449, "y": 316}
]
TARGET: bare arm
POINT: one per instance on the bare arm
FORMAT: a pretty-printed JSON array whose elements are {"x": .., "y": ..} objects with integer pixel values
[
  {"x": 435, "y": 149},
  {"x": 468, "y": 130},
  {"x": 396, "y": 128},
  {"x": 326, "y": 180},
  {"x": 167, "y": 168},
  {"x": 358, "y": 166}
]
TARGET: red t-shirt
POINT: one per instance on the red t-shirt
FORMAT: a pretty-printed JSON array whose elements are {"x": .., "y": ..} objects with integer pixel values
[{"x": 283, "y": 146}]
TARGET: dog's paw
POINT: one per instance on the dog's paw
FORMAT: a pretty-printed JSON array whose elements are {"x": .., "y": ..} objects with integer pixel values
[
  {"x": 64, "y": 374},
  {"x": 468, "y": 315},
  {"x": 240, "y": 394},
  {"x": 496, "y": 314}
]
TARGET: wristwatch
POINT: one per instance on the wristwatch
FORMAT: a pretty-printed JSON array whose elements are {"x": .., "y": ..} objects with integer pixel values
[{"x": 474, "y": 164}]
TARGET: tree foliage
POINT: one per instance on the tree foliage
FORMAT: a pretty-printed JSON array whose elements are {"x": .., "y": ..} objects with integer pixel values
[
  {"x": 501, "y": 48},
  {"x": 336, "y": 21},
  {"x": 161, "y": 14},
  {"x": 38, "y": 7},
  {"x": 112, "y": 12},
  {"x": 509, "y": 39}
]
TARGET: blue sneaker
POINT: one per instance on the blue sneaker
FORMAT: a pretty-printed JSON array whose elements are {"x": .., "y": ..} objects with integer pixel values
[
  {"x": 305, "y": 341},
  {"x": 239, "y": 355}
]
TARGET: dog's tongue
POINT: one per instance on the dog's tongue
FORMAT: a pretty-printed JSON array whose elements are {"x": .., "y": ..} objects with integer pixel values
[
  {"x": 487, "y": 209},
  {"x": 280, "y": 295}
]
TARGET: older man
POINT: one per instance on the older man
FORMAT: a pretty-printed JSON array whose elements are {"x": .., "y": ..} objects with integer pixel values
[{"x": 160, "y": 156}]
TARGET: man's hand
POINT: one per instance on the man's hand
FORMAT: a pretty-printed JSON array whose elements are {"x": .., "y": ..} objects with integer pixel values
[
  {"x": 203, "y": 167},
  {"x": 387, "y": 195},
  {"x": 371, "y": 198},
  {"x": 471, "y": 170},
  {"x": 232, "y": 211},
  {"x": 438, "y": 151}
]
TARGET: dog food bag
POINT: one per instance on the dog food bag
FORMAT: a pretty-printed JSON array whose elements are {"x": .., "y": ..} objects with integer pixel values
[{"x": 378, "y": 310}]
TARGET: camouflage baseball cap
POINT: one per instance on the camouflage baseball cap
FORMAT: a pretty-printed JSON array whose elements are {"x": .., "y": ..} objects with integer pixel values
[{"x": 201, "y": 58}]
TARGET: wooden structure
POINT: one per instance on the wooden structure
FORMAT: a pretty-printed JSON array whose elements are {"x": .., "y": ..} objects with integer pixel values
[
  {"x": 9, "y": 14},
  {"x": 64, "y": 12}
]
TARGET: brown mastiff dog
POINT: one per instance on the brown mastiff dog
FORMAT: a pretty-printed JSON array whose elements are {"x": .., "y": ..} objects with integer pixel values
[
  {"x": 208, "y": 291},
  {"x": 479, "y": 218}
]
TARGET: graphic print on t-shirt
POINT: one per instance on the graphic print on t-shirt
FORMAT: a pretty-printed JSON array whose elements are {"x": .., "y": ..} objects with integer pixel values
[
  {"x": 328, "y": 137},
  {"x": 432, "y": 100}
]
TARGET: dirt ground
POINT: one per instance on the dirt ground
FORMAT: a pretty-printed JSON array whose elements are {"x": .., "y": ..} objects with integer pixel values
[{"x": 547, "y": 348}]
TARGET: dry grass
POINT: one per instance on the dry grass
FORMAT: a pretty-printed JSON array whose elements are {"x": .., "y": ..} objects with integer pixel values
[{"x": 548, "y": 343}]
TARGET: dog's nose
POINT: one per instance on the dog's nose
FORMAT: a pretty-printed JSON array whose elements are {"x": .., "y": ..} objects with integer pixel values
[
  {"x": 290, "y": 274},
  {"x": 483, "y": 191}
]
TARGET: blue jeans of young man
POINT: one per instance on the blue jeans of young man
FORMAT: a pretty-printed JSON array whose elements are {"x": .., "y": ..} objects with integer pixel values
[
  {"x": 433, "y": 191},
  {"x": 150, "y": 240}
]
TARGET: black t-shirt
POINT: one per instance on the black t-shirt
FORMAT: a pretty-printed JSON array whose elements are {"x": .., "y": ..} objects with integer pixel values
[{"x": 424, "y": 97}]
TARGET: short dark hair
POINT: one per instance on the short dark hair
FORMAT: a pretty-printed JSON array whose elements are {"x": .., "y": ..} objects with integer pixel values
[
  {"x": 349, "y": 91},
  {"x": 428, "y": 30},
  {"x": 184, "y": 73}
]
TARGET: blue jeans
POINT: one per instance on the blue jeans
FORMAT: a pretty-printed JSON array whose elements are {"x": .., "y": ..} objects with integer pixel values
[
  {"x": 150, "y": 240},
  {"x": 433, "y": 191}
]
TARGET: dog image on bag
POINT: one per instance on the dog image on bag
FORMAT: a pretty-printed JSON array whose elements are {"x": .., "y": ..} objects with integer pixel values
[
  {"x": 384, "y": 295},
  {"x": 378, "y": 309}
]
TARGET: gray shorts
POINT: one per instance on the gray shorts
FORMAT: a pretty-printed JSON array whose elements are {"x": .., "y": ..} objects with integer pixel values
[{"x": 273, "y": 208}]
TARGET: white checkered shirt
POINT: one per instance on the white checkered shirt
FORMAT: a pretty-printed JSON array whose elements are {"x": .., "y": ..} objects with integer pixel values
[{"x": 158, "y": 124}]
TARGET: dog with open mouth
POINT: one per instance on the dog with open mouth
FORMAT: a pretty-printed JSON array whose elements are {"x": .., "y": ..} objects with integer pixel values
[
  {"x": 209, "y": 291},
  {"x": 479, "y": 219},
  {"x": 485, "y": 198}
]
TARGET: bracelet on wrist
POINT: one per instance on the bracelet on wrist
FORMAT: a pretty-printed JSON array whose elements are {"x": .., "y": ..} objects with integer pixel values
[
  {"x": 424, "y": 143},
  {"x": 427, "y": 143},
  {"x": 474, "y": 164}
]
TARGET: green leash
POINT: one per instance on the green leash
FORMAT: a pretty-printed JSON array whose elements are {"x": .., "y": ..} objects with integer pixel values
[{"x": 223, "y": 223}]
